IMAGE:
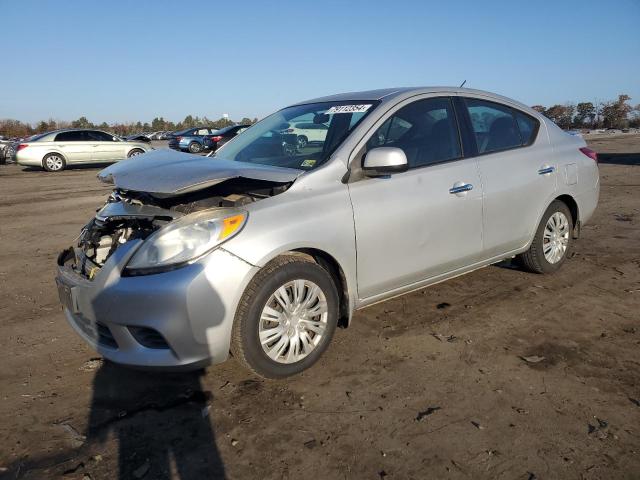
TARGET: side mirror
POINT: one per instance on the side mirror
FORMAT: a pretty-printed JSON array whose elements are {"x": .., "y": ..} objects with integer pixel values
[{"x": 383, "y": 161}]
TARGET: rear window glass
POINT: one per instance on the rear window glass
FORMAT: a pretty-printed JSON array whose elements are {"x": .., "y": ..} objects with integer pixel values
[
  {"x": 494, "y": 126},
  {"x": 527, "y": 126}
]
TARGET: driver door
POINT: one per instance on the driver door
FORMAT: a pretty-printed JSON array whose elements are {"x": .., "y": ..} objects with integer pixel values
[{"x": 423, "y": 222}]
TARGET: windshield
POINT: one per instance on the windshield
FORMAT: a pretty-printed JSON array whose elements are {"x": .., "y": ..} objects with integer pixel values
[{"x": 301, "y": 137}]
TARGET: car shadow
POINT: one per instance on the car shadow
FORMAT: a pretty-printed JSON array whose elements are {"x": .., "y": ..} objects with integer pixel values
[
  {"x": 160, "y": 421},
  {"x": 619, "y": 158}
]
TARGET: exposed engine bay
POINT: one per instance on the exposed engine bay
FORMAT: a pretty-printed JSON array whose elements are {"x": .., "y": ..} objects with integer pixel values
[{"x": 131, "y": 215}]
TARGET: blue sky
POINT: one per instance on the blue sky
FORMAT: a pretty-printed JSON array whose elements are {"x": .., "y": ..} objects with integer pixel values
[{"x": 133, "y": 60}]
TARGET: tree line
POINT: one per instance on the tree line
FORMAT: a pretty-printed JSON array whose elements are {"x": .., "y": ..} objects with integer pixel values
[
  {"x": 610, "y": 114},
  {"x": 15, "y": 128},
  {"x": 599, "y": 114}
]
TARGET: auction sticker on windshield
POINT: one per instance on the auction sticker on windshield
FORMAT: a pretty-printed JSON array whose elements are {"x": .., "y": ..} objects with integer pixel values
[{"x": 348, "y": 109}]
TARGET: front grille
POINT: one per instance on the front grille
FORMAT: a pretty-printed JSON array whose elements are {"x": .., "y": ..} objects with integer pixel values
[{"x": 150, "y": 338}]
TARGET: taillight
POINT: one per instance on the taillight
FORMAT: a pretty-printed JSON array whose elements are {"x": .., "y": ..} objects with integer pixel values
[
  {"x": 217, "y": 138},
  {"x": 178, "y": 138},
  {"x": 592, "y": 154},
  {"x": 21, "y": 147},
  {"x": 289, "y": 130}
]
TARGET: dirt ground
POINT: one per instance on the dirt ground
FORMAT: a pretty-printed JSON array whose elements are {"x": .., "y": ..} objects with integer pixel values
[{"x": 429, "y": 385}]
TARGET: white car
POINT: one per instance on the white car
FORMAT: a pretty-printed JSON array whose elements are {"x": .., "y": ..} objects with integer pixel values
[
  {"x": 54, "y": 151},
  {"x": 307, "y": 132}
]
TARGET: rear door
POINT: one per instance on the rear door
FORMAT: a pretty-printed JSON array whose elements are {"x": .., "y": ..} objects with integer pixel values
[
  {"x": 426, "y": 221},
  {"x": 75, "y": 146},
  {"x": 517, "y": 168}
]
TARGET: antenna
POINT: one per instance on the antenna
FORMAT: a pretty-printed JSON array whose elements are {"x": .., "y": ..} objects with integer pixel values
[{"x": 462, "y": 84}]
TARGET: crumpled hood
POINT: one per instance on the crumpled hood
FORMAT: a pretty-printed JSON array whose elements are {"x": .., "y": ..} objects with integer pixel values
[{"x": 167, "y": 172}]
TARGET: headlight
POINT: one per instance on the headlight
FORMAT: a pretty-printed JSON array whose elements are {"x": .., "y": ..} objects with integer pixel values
[{"x": 187, "y": 238}]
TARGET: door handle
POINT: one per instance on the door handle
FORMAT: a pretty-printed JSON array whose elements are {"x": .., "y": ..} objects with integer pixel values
[
  {"x": 460, "y": 187},
  {"x": 546, "y": 170}
]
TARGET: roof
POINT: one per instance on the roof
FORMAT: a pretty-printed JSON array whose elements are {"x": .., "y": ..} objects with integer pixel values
[{"x": 391, "y": 93}]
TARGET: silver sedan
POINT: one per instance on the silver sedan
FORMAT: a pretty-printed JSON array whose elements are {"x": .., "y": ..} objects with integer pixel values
[
  {"x": 54, "y": 151},
  {"x": 265, "y": 248}
]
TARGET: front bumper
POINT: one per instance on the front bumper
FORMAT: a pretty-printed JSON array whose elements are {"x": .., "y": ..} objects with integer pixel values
[{"x": 187, "y": 313}]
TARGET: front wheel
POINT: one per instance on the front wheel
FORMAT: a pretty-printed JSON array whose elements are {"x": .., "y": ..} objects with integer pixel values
[
  {"x": 552, "y": 241},
  {"x": 286, "y": 318},
  {"x": 135, "y": 152}
]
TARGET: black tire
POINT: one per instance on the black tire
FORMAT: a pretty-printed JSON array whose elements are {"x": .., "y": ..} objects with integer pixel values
[
  {"x": 135, "y": 152},
  {"x": 245, "y": 342},
  {"x": 302, "y": 141},
  {"x": 195, "y": 147},
  {"x": 50, "y": 166},
  {"x": 534, "y": 259}
]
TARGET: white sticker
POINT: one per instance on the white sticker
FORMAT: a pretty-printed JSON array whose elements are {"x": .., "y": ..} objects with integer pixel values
[{"x": 348, "y": 109}]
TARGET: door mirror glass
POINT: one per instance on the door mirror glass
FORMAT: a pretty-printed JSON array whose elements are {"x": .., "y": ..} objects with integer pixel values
[{"x": 384, "y": 161}]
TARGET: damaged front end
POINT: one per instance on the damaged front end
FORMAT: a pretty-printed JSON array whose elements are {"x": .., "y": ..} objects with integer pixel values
[{"x": 131, "y": 215}]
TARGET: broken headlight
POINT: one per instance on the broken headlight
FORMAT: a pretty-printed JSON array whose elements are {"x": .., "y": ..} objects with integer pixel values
[{"x": 186, "y": 239}]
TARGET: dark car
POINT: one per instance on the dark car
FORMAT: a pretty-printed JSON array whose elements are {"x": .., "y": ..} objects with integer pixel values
[
  {"x": 138, "y": 138},
  {"x": 196, "y": 140}
]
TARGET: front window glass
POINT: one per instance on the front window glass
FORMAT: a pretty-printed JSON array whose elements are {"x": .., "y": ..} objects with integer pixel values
[
  {"x": 100, "y": 136},
  {"x": 301, "y": 137},
  {"x": 426, "y": 130}
]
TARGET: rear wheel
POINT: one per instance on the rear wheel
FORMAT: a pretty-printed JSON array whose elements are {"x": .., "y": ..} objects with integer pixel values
[
  {"x": 54, "y": 162},
  {"x": 195, "y": 147},
  {"x": 302, "y": 141},
  {"x": 552, "y": 241},
  {"x": 286, "y": 318}
]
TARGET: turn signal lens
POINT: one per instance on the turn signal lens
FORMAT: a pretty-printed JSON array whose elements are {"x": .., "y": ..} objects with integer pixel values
[{"x": 230, "y": 225}]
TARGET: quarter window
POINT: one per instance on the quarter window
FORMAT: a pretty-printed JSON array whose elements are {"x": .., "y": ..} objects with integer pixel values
[{"x": 426, "y": 130}]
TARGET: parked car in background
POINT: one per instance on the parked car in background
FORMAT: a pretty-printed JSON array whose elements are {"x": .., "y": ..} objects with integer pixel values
[
  {"x": 223, "y": 135},
  {"x": 263, "y": 250},
  {"x": 5, "y": 153},
  {"x": 193, "y": 139},
  {"x": 140, "y": 137},
  {"x": 196, "y": 140},
  {"x": 307, "y": 132},
  {"x": 54, "y": 151}
]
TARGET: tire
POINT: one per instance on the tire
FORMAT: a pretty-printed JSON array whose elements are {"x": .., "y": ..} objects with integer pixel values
[
  {"x": 135, "y": 152},
  {"x": 54, "y": 162},
  {"x": 541, "y": 256},
  {"x": 195, "y": 147},
  {"x": 286, "y": 271},
  {"x": 302, "y": 141}
]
